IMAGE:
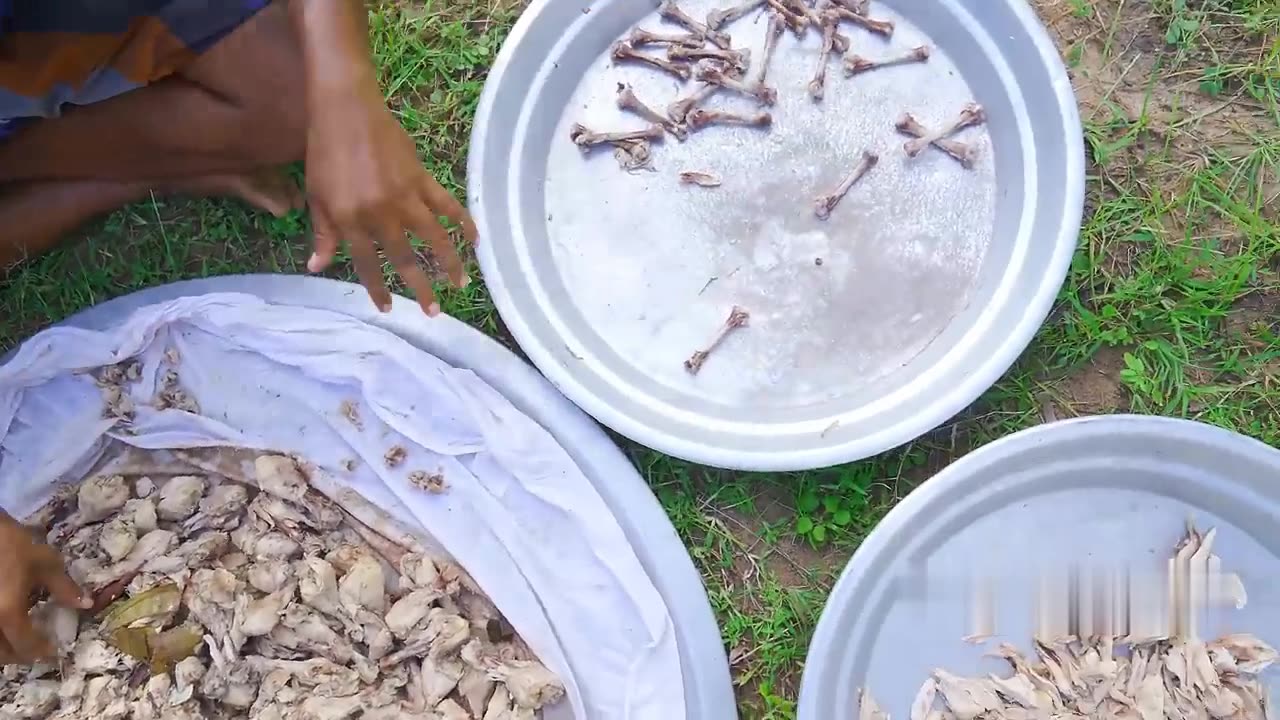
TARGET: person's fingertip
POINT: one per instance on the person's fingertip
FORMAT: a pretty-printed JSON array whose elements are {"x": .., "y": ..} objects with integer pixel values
[
  {"x": 433, "y": 309},
  {"x": 385, "y": 307},
  {"x": 464, "y": 282}
]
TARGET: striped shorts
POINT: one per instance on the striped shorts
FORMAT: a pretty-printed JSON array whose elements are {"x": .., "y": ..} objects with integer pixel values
[{"x": 60, "y": 53}]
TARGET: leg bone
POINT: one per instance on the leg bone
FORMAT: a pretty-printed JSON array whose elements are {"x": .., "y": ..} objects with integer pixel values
[
  {"x": 963, "y": 153},
  {"x": 738, "y": 317},
  {"x": 880, "y": 27},
  {"x": 699, "y": 119},
  {"x": 584, "y": 138},
  {"x": 623, "y": 51},
  {"x": 717, "y": 19},
  {"x": 628, "y": 101},
  {"x": 817, "y": 85},
  {"x": 971, "y": 114},
  {"x": 671, "y": 12},
  {"x": 855, "y": 64},
  {"x": 824, "y": 204}
]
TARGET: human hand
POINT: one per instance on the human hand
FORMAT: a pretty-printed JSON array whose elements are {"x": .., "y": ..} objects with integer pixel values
[
  {"x": 27, "y": 566},
  {"x": 366, "y": 186}
]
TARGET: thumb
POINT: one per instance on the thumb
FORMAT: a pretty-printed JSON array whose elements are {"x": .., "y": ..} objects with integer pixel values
[
  {"x": 325, "y": 243},
  {"x": 61, "y": 587}
]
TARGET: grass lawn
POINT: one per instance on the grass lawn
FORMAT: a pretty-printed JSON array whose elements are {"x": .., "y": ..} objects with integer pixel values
[{"x": 1170, "y": 307}]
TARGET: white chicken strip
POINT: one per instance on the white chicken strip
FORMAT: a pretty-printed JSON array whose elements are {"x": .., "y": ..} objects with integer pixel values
[
  {"x": 923, "y": 703},
  {"x": 868, "y": 708}
]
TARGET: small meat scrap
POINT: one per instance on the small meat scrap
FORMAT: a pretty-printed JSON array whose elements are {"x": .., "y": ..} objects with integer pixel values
[
  {"x": 394, "y": 456},
  {"x": 699, "y": 178},
  {"x": 118, "y": 374},
  {"x": 738, "y": 317},
  {"x": 173, "y": 396},
  {"x": 351, "y": 412},
  {"x": 117, "y": 403},
  {"x": 113, "y": 382},
  {"x": 633, "y": 155},
  {"x": 431, "y": 482},
  {"x": 868, "y": 708}
]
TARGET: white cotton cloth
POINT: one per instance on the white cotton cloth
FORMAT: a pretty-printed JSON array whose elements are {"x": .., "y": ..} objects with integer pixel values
[{"x": 518, "y": 514}]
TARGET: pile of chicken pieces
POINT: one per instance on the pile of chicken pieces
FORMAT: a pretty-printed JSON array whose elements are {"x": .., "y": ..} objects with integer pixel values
[
  {"x": 1174, "y": 677},
  {"x": 214, "y": 599}
]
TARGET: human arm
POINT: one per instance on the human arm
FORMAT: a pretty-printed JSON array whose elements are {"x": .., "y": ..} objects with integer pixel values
[
  {"x": 365, "y": 183},
  {"x": 28, "y": 565}
]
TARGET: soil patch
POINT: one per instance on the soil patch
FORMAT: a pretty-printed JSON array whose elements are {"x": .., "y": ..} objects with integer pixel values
[{"x": 1094, "y": 389}]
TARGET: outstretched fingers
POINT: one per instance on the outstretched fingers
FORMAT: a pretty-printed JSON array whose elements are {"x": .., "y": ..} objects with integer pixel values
[
  {"x": 425, "y": 226},
  {"x": 446, "y": 204},
  {"x": 364, "y": 256},
  {"x": 395, "y": 243},
  {"x": 325, "y": 242}
]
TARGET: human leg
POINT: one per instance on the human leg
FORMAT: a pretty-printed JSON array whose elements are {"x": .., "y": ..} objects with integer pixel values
[
  {"x": 41, "y": 213},
  {"x": 223, "y": 126},
  {"x": 237, "y": 107}
]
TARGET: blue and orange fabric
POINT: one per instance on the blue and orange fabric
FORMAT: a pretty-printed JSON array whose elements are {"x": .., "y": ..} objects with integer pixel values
[{"x": 55, "y": 53}]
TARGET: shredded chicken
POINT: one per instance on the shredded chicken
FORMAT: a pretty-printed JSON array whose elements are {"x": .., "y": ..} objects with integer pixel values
[{"x": 1177, "y": 676}]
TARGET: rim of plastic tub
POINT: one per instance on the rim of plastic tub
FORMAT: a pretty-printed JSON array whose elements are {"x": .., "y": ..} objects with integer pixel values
[
  {"x": 1157, "y": 469},
  {"x": 708, "y": 687}
]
